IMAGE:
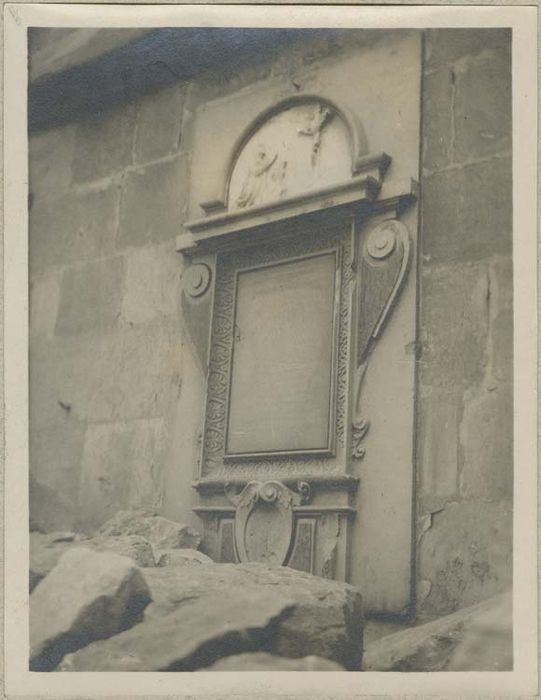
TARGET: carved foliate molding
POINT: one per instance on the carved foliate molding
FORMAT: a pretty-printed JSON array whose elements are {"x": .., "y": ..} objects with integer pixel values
[
  {"x": 383, "y": 269},
  {"x": 222, "y": 340}
]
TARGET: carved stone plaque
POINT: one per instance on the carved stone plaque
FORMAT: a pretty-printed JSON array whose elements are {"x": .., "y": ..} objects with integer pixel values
[
  {"x": 281, "y": 379},
  {"x": 299, "y": 149}
]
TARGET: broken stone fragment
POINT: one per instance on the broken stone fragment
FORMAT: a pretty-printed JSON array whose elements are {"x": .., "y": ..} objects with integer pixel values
[
  {"x": 161, "y": 532},
  {"x": 487, "y": 641},
  {"x": 477, "y": 638},
  {"x": 181, "y": 557},
  {"x": 262, "y": 661},
  {"x": 327, "y": 619},
  {"x": 46, "y": 550},
  {"x": 191, "y": 637},
  {"x": 87, "y": 596},
  {"x": 133, "y": 546}
]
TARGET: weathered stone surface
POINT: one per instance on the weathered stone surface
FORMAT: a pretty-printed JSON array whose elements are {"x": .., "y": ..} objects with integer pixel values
[
  {"x": 152, "y": 203},
  {"x": 48, "y": 511},
  {"x": 474, "y": 639},
  {"x": 487, "y": 642},
  {"x": 192, "y": 637},
  {"x": 49, "y": 162},
  {"x": 438, "y": 445},
  {"x": 44, "y": 296},
  {"x": 163, "y": 108},
  {"x": 437, "y": 119},
  {"x": 90, "y": 297},
  {"x": 327, "y": 619},
  {"x": 132, "y": 546},
  {"x": 152, "y": 284},
  {"x": 501, "y": 306},
  {"x": 56, "y": 456},
  {"x": 486, "y": 439},
  {"x": 262, "y": 661},
  {"x": 46, "y": 550},
  {"x": 473, "y": 207},
  {"x": 181, "y": 557},
  {"x": 75, "y": 228},
  {"x": 104, "y": 145},
  {"x": 454, "y": 317},
  {"x": 448, "y": 45},
  {"x": 160, "y": 532},
  {"x": 121, "y": 469},
  {"x": 88, "y": 596},
  {"x": 483, "y": 106},
  {"x": 136, "y": 373},
  {"x": 466, "y": 554}
]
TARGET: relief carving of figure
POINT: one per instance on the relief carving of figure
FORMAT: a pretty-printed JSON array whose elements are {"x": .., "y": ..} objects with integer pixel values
[
  {"x": 256, "y": 179},
  {"x": 322, "y": 115}
]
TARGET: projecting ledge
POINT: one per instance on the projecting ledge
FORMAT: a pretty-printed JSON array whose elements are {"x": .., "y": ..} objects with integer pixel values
[
  {"x": 356, "y": 192},
  {"x": 335, "y": 482}
]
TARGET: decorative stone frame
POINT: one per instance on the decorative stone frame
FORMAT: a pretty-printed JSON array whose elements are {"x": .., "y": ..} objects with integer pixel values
[{"x": 309, "y": 492}]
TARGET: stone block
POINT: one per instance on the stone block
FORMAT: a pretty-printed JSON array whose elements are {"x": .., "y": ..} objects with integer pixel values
[
  {"x": 132, "y": 546},
  {"x": 136, "y": 373},
  {"x": 90, "y": 297},
  {"x": 438, "y": 449},
  {"x": 49, "y": 162},
  {"x": 327, "y": 619},
  {"x": 153, "y": 202},
  {"x": 87, "y": 596},
  {"x": 437, "y": 117},
  {"x": 161, "y": 532},
  {"x": 104, "y": 144},
  {"x": 64, "y": 371},
  {"x": 44, "y": 296},
  {"x": 76, "y": 228},
  {"x": 152, "y": 286},
  {"x": 455, "y": 326},
  {"x": 122, "y": 466},
  {"x": 501, "y": 296},
  {"x": 466, "y": 553},
  {"x": 467, "y": 212},
  {"x": 191, "y": 637},
  {"x": 486, "y": 437},
  {"x": 444, "y": 46},
  {"x": 487, "y": 643},
  {"x": 482, "y": 107},
  {"x": 159, "y": 123},
  {"x": 181, "y": 557},
  {"x": 55, "y": 456},
  {"x": 46, "y": 550}
]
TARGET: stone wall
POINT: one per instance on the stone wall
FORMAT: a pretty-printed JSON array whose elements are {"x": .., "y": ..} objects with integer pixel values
[
  {"x": 107, "y": 199},
  {"x": 465, "y": 400},
  {"x": 109, "y": 359}
]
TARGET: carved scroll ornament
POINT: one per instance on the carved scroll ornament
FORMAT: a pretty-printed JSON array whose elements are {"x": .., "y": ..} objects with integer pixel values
[
  {"x": 264, "y": 519},
  {"x": 384, "y": 265}
]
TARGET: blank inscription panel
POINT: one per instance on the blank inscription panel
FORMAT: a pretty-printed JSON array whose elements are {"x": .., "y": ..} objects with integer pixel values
[{"x": 281, "y": 376}]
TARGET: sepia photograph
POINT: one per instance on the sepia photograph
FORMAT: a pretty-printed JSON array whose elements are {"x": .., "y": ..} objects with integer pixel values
[{"x": 271, "y": 348}]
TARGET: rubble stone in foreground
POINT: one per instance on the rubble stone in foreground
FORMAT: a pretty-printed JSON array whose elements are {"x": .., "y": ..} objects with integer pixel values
[{"x": 87, "y": 596}]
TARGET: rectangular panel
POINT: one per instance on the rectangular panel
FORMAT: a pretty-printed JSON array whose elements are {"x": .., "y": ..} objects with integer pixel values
[{"x": 281, "y": 377}]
